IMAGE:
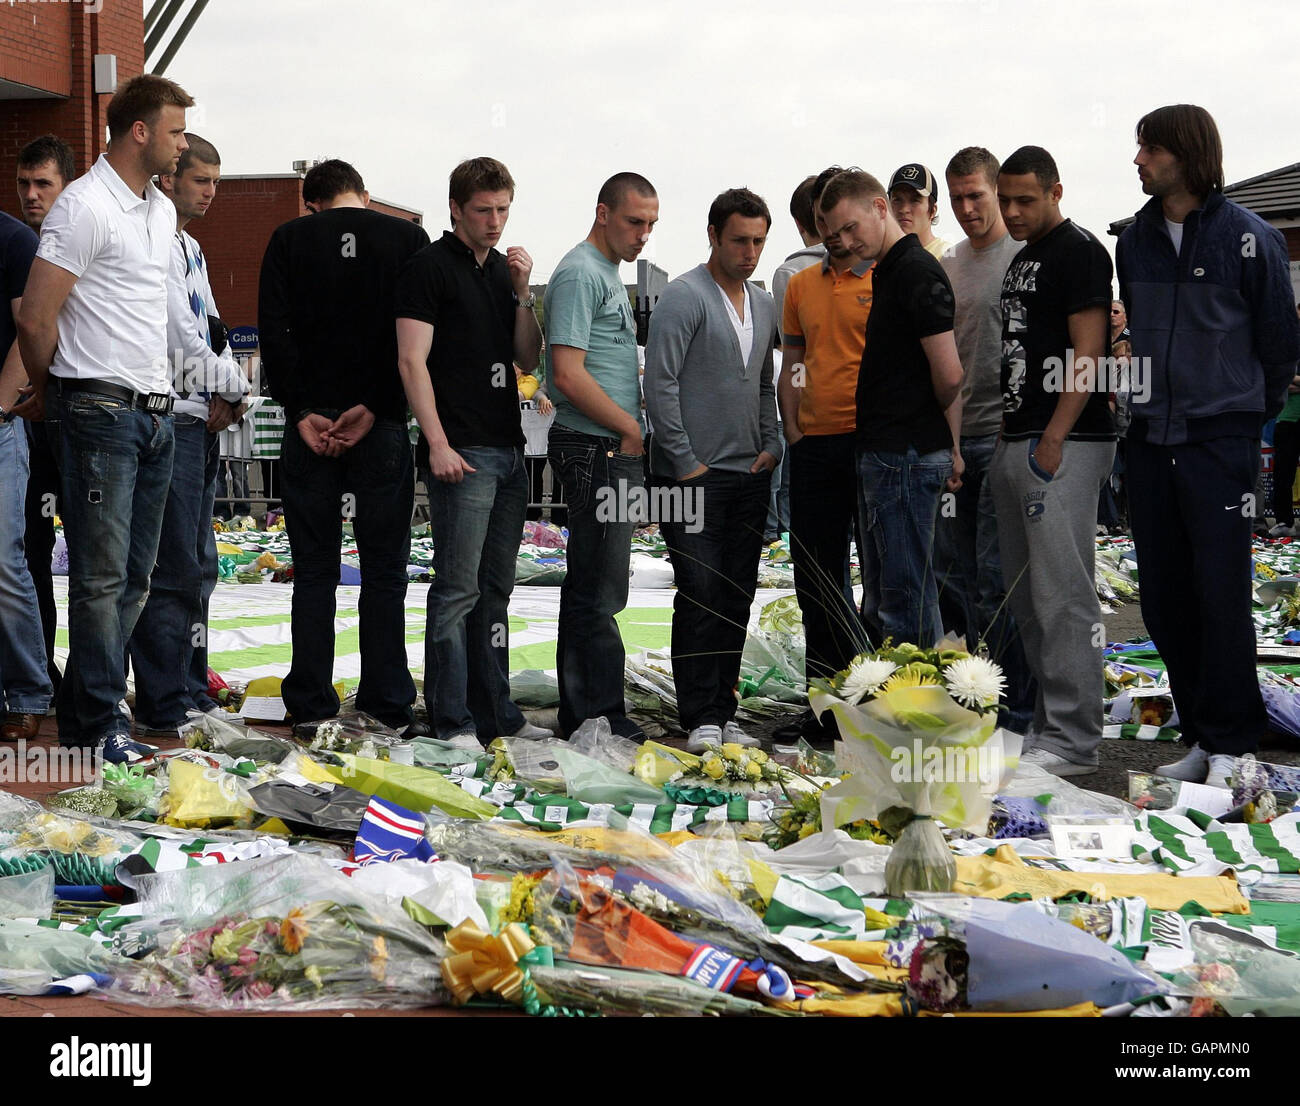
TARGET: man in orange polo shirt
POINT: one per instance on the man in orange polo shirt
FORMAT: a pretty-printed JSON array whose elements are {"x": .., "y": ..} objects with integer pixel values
[{"x": 823, "y": 330}]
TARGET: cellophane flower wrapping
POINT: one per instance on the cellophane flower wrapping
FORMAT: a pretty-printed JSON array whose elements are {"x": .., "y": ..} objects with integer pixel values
[
  {"x": 285, "y": 932},
  {"x": 918, "y": 749}
]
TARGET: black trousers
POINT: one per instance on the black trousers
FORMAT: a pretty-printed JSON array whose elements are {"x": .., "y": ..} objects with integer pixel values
[
  {"x": 1286, "y": 454},
  {"x": 823, "y": 514},
  {"x": 1193, "y": 511}
]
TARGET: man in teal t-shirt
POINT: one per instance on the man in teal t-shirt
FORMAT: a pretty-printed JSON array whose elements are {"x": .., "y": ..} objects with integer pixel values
[{"x": 596, "y": 447}]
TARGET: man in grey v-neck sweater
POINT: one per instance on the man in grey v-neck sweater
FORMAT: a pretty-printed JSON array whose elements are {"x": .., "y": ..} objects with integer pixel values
[{"x": 711, "y": 400}]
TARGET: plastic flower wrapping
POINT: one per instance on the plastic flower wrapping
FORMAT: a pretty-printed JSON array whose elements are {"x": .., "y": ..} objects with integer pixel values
[
  {"x": 285, "y": 931},
  {"x": 918, "y": 731}
]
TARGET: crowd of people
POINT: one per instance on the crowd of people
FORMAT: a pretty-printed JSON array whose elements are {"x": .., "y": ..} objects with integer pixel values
[{"x": 950, "y": 409}]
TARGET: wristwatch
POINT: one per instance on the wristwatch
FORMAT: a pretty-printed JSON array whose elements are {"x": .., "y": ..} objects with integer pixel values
[{"x": 529, "y": 302}]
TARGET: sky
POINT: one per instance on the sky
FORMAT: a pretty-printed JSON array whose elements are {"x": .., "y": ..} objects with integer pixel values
[{"x": 701, "y": 97}]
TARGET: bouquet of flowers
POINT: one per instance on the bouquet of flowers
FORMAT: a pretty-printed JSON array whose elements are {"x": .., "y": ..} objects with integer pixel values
[
  {"x": 919, "y": 743},
  {"x": 282, "y": 931},
  {"x": 735, "y": 768}
]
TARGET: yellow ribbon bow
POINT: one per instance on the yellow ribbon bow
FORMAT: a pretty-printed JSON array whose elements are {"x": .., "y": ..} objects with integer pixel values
[{"x": 480, "y": 962}]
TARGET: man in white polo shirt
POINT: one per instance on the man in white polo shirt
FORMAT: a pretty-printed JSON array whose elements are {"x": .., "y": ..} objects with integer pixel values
[{"x": 93, "y": 334}]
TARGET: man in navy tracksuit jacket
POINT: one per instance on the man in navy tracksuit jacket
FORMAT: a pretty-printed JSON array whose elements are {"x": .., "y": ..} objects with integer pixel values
[{"x": 1215, "y": 344}]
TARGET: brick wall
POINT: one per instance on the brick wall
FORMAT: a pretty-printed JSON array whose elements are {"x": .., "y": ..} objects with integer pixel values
[{"x": 52, "y": 47}]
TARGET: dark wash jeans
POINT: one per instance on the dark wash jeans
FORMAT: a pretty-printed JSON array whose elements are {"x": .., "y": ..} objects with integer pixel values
[
  {"x": 899, "y": 500},
  {"x": 169, "y": 652},
  {"x": 115, "y": 465},
  {"x": 589, "y": 654},
  {"x": 714, "y": 544},
  {"x": 823, "y": 515},
  {"x": 476, "y": 526},
  {"x": 379, "y": 474}
]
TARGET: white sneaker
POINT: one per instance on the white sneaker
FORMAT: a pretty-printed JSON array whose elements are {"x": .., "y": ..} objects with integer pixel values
[
  {"x": 1191, "y": 769},
  {"x": 1282, "y": 530},
  {"x": 531, "y": 732},
  {"x": 1222, "y": 767},
  {"x": 703, "y": 738},
  {"x": 732, "y": 732},
  {"x": 1057, "y": 765},
  {"x": 464, "y": 739}
]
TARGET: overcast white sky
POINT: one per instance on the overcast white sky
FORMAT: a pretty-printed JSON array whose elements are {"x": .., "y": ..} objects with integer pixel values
[{"x": 701, "y": 96}]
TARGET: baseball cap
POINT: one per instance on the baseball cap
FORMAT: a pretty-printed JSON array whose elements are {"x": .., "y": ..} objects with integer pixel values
[{"x": 913, "y": 175}]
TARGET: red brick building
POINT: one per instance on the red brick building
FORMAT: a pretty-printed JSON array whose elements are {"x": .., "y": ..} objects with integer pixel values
[
  {"x": 237, "y": 228},
  {"x": 47, "y": 54}
]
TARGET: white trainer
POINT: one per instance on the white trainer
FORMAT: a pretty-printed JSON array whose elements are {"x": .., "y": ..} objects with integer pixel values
[
  {"x": 1193, "y": 768},
  {"x": 1223, "y": 767},
  {"x": 531, "y": 732},
  {"x": 703, "y": 738},
  {"x": 1057, "y": 765},
  {"x": 732, "y": 732}
]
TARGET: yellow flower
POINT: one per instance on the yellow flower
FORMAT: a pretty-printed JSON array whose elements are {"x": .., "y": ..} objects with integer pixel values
[
  {"x": 908, "y": 677},
  {"x": 758, "y": 756},
  {"x": 713, "y": 768},
  {"x": 379, "y": 959},
  {"x": 807, "y": 830},
  {"x": 732, "y": 751},
  {"x": 754, "y": 771}
]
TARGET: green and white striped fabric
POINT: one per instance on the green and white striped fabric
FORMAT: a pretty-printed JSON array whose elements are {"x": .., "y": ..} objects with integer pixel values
[
  {"x": 249, "y": 628},
  {"x": 1197, "y": 845},
  {"x": 811, "y": 908},
  {"x": 268, "y": 431}
]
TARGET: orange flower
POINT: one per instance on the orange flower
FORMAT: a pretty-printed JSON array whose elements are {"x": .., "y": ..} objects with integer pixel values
[{"x": 293, "y": 931}]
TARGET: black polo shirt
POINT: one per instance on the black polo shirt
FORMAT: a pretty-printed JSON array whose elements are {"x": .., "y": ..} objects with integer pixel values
[
  {"x": 911, "y": 300},
  {"x": 325, "y": 310},
  {"x": 471, "y": 362}
]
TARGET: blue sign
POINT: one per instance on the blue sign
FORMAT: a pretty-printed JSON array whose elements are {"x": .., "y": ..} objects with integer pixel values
[{"x": 242, "y": 339}]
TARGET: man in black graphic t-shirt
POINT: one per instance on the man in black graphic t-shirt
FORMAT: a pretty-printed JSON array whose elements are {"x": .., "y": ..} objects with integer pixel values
[
  {"x": 329, "y": 350},
  {"x": 1056, "y": 450}
]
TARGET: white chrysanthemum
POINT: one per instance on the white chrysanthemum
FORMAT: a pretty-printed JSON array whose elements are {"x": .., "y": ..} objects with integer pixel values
[
  {"x": 865, "y": 677},
  {"x": 975, "y": 682}
]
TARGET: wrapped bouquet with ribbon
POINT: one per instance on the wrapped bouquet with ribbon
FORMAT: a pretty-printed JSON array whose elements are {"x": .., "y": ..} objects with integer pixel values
[{"x": 920, "y": 744}]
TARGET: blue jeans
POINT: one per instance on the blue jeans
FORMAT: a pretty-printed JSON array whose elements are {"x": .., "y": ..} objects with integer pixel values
[
  {"x": 115, "y": 466},
  {"x": 714, "y": 544},
  {"x": 476, "y": 527},
  {"x": 169, "y": 652},
  {"x": 898, "y": 499},
  {"x": 379, "y": 474},
  {"x": 24, "y": 680},
  {"x": 972, "y": 593},
  {"x": 589, "y": 648}
]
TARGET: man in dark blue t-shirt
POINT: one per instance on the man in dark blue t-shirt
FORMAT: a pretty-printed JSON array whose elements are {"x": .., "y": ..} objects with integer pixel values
[
  {"x": 24, "y": 682},
  {"x": 1057, "y": 445}
]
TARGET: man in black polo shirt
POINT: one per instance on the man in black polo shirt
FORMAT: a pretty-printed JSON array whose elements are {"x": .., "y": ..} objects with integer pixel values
[
  {"x": 325, "y": 312},
  {"x": 909, "y": 409},
  {"x": 464, "y": 314},
  {"x": 1058, "y": 442}
]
